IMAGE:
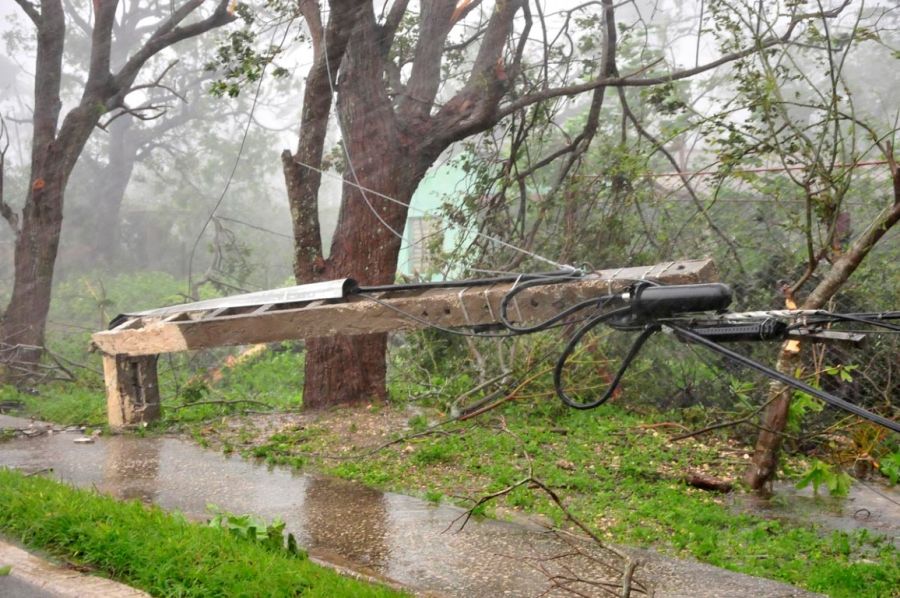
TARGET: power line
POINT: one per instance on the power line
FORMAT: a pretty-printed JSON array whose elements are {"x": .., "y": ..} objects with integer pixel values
[
  {"x": 256, "y": 227},
  {"x": 237, "y": 158},
  {"x": 329, "y": 175}
]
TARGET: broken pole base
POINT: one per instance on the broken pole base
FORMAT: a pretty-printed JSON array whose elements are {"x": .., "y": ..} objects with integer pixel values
[{"x": 132, "y": 390}]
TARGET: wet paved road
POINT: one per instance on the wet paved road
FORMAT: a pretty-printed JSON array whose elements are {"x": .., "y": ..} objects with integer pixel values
[{"x": 391, "y": 535}]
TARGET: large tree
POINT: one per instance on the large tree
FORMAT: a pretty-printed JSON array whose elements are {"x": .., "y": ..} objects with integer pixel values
[
  {"x": 388, "y": 72},
  {"x": 59, "y": 139}
]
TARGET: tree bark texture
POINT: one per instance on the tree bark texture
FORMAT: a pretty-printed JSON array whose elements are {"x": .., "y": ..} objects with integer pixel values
[{"x": 343, "y": 369}]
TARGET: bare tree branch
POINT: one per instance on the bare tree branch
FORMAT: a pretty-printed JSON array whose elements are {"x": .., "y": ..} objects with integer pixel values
[
  {"x": 631, "y": 80},
  {"x": 425, "y": 78},
  {"x": 169, "y": 33},
  {"x": 685, "y": 181},
  {"x": 75, "y": 15},
  {"x": 302, "y": 169},
  {"x": 312, "y": 14},
  {"x": 138, "y": 112},
  {"x": 473, "y": 108},
  {"x": 392, "y": 22},
  {"x": 30, "y": 10},
  {"x": 101, "y": 48}
]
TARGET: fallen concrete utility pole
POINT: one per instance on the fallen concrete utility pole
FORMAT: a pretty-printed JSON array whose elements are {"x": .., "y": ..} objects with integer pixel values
[{"x": 131, "y": 348}]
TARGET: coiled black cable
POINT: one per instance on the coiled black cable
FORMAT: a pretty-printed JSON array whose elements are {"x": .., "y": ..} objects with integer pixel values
[
  {"x": 645, "y": 334},
  {"x": 632, "y": 316}
]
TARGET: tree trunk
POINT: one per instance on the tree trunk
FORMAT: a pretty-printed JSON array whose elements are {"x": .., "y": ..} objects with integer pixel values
[
  {"x": 344, "y": 369},
  {"x": 114, "y": 178},
  {"x": 388, "y": 152},
  {"x": 56, "y": 147},
  {"x": 36, "y": 248},
  {"x": 367, "y": 243},
  {"x": 764, "y": 462},
  {"x": 774, "y": 419}
]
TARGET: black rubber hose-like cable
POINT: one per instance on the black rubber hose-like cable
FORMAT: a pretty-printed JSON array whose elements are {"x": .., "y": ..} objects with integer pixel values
[
  {"x": 864, "y": 320},
  {"x": 597, "y": 301},
  {"x": 573, "y": 342},
  {"x": 789, "y": 380},
  {"x": 511, "y": 294}
]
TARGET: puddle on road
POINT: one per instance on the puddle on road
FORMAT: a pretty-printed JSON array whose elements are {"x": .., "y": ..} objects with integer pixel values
[
  {"x": 391, "y": 535},
  {"x": 869, "y": 505}
]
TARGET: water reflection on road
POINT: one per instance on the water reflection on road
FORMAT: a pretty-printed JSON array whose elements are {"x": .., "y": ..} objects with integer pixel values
[{"x": 395, "y": 536}]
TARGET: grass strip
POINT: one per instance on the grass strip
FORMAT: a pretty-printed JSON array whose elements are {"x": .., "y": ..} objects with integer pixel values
[{"x": 158, "y": 552}]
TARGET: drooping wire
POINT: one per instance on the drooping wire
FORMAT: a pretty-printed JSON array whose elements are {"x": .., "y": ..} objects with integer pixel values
[
  {"x": 645, "y": 334},
  {"x": 649, "y": 325},
  {"x": 470, "y": 229},
  {"x": 832, "y": 400},
  {"x": 599, "y": 302},
  {"x": 237, "y": 158}
]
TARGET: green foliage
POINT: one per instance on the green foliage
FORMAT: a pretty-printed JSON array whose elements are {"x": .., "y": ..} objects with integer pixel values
[
  {"x": 274, "y": 378},
  {"x": 434, "y": 496},
  {"x": 194, "y": 390},
  {"x": 96, "y": 297},
  {"x": 626, "y": 482},
  {"x": 821, "y": 473},
  {"x": 255, "y": 529},
  {"x": 434, "y": 453},
  {"x": 158, "y": 552},
  {"x": 802, "y": 404},
  {"x": 843, "y": 372},
  {"x": 890, "y": 467},
  {"x": 418, "y": 423},
  {"x": 241, "y": 59},
  {"x": 63, "y": 403}
]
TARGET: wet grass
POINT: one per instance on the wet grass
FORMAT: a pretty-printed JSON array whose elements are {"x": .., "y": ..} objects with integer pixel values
[
  {"x": 616, "y": 473},
  {"x": 267, "y": 382},
  {"x": 158, "y": 552},
  {"x": 62, "y": 403}
]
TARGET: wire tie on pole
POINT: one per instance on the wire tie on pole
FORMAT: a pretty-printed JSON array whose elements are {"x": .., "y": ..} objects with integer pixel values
[
  {"x": 487, "y": 301},
  {"x": 610, "y": 280},
  {"x": 663, "y": 271},
  {"x": 462, "y": 305},
  {"x": 516, "y": 299}
]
